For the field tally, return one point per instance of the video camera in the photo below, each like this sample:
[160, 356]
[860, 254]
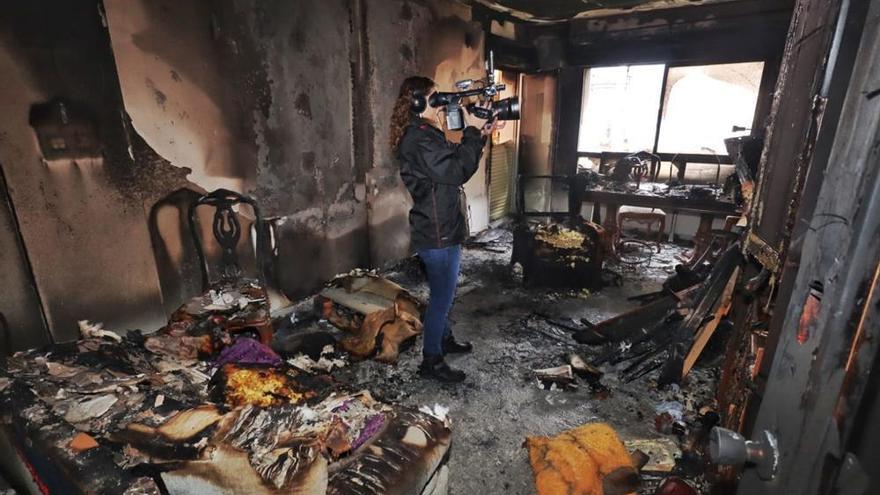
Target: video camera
[504, 109]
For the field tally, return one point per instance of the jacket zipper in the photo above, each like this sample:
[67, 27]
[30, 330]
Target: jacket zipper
[436, 218]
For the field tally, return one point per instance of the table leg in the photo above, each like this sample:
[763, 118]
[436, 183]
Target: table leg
[595, 213]
[702, 238]
[672, 227]
[612, 230]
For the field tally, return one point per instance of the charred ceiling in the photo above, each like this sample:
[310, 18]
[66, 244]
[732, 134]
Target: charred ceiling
[550, 11]
[644, 32]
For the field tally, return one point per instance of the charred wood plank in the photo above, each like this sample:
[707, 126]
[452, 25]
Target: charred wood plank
[715, 284]
[706, 331]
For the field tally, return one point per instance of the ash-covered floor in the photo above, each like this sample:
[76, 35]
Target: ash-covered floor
[501, 402]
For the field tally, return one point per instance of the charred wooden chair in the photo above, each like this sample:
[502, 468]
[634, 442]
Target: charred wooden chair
[644, 216]
[226, 228]
[235, 303]
[709, 245]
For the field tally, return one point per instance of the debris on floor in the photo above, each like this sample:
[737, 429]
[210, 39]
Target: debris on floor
[204, 380]
[113, 412]
[661, 453]
[670, 332]
[560, 376]
[371, 309]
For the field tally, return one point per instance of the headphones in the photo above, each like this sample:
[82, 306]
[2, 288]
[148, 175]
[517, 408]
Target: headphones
[419, 102]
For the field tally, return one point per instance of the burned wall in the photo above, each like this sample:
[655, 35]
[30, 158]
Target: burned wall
[263, 97]
[249, 80]
[175, 90]
[20, 304]
[291, 64]
[81, 221]
[438, 40]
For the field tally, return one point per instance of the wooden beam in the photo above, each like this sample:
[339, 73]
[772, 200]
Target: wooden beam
[706, 331]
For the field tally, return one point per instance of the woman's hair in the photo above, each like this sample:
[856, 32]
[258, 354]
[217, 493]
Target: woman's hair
[402, 112]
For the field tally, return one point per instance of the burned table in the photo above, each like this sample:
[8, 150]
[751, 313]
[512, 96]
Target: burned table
[707, 208]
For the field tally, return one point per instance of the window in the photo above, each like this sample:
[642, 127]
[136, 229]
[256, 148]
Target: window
[619, 111]
[704, 103]
[701, 106]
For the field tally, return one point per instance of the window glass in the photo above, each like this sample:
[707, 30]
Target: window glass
[619, 109]
[704, 103]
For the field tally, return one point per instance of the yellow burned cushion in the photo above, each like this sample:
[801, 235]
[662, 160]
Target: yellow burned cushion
[588, 460]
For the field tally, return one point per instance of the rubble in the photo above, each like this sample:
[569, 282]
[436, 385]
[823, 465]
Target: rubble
[247, 423]
[560, 376]
[515, 328]
[661, 453]
[383, 312]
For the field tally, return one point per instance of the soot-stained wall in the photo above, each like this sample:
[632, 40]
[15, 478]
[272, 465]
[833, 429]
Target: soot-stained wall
[438, 40]
[82, 221]
[287, 101]
[291, 62]
[174, 88]
[300, 117]
[314, 83]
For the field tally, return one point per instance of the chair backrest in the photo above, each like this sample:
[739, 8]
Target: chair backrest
[227, 232]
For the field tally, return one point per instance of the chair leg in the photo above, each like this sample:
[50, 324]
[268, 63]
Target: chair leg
[662, 229]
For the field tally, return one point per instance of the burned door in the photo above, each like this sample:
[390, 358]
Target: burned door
[536, 126]
[536, 134]
[22, 325]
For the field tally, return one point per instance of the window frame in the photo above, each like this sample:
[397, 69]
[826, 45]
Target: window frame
[666, 157]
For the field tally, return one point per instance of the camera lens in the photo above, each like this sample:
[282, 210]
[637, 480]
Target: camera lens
[506, 109]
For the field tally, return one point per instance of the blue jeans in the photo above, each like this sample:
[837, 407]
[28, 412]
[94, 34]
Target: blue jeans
[442, 266]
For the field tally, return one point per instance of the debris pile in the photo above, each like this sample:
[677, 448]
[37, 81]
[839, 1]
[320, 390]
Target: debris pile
[670, 332]
[371, 309]
[121, 415]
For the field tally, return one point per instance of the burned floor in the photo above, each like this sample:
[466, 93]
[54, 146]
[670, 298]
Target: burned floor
[503, 400]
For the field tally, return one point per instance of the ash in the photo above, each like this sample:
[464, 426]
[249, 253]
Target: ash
[501, 402]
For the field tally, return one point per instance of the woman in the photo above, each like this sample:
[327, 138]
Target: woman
[434, 170]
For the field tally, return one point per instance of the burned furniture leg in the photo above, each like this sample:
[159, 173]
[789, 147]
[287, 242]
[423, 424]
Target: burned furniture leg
[612, 230]
[702, 239]
[672, 227]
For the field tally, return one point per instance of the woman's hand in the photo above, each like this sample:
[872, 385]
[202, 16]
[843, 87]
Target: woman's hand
[473, 120]
[488, 129]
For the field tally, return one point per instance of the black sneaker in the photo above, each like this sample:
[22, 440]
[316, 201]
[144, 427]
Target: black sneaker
[452, 346]
[434, 367]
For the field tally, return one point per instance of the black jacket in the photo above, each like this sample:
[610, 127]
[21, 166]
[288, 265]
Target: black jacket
[433, 170]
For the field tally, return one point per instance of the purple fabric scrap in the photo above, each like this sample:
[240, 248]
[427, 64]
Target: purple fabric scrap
[371, 427]
[343, 407]
[247, 351]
